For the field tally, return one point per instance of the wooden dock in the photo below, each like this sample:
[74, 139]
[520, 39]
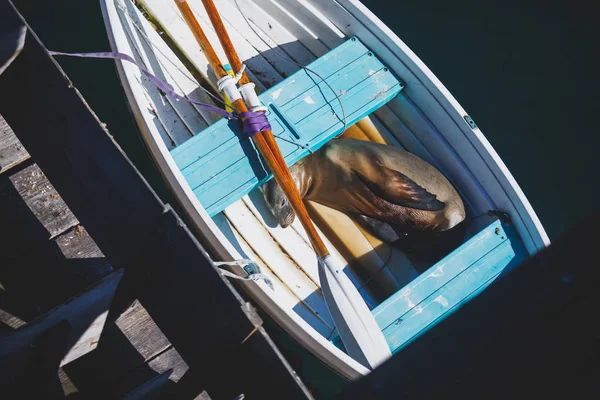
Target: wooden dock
[48, 257]
[104, 293]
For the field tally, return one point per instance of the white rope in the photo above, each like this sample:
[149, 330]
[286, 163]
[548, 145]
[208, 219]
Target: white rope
[242, 262]
[249, 277]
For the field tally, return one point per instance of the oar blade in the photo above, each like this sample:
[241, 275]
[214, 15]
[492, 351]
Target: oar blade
[356, 326]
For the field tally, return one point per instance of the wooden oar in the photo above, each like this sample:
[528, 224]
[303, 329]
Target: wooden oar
[356, 325]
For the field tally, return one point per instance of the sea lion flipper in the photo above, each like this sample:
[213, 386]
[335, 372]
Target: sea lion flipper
[381, 230]
[395, 187]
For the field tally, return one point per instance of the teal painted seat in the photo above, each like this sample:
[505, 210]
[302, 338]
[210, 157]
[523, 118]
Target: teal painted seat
[221, 164]
[444, 287]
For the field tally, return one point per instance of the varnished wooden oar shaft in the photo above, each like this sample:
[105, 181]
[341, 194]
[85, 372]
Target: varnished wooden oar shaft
[356, 325]
[232, 56]
[209, 51]
[236, 63]
[264, 141]
[284, 179]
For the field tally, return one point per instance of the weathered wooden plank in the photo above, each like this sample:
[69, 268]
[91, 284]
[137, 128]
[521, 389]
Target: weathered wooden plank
[9, 321]
[77, 243]
[202, 396]
[27, 254]
[132, 351]
[68, 387]
[43, 200]
[21, 229]
[12, 151]
[142, 332]
[170, 360]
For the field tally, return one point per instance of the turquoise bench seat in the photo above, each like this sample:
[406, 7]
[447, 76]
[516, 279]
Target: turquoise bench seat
[221, 164]
[444, 287]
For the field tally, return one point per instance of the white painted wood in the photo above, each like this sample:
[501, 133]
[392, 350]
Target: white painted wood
[272, 30]
[285, 297]
[296, 244]
[262, 70]
[168, 16]
[148, 103]
[288, 239]
[384, 131]
[296, 326]
[143, 87]
[168, 67]
[314, 21]
[186, 114]
[291, 24]
[279, 262]
[236, 22]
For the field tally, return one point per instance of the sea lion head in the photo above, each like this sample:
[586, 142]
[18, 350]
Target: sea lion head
[278, 203]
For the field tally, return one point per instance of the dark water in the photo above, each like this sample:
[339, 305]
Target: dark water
[526, 71]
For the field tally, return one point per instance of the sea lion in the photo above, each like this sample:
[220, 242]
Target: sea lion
[394, 193]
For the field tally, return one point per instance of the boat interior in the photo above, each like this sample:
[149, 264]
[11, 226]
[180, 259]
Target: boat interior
[275, 39]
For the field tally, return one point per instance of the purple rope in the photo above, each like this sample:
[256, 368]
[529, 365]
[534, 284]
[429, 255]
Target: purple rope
[253, 122]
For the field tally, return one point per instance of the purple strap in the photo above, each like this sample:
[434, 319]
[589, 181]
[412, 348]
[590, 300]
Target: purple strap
[168, 89]
[253, 122]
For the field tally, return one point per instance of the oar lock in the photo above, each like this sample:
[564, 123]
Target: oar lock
[228, 86]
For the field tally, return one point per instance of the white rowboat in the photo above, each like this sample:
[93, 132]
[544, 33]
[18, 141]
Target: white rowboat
[424, 119]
